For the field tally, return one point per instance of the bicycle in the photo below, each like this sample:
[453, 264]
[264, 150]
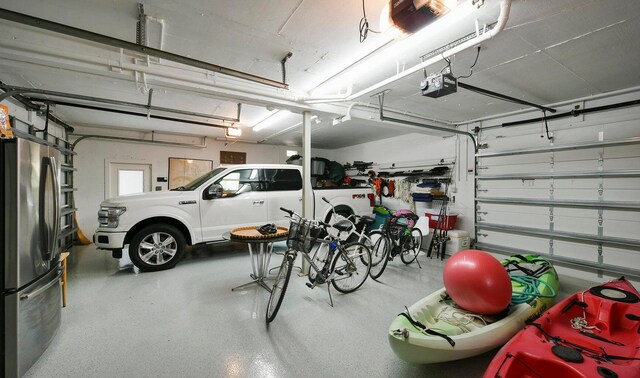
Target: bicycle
[346, 266]
[355, 226]
[395, 238]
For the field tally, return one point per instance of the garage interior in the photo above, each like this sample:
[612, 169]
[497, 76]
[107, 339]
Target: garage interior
[540, 135]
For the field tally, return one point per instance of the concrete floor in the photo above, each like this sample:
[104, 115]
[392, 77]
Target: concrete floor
[186, 322]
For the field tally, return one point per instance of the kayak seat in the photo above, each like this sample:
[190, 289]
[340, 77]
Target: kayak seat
[567, 354]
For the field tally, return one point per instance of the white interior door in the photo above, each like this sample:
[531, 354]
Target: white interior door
[128, 178]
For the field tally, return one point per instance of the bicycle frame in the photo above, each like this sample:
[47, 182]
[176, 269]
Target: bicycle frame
[398, 240]
[335, 244]
[361, 234]
[302, 238]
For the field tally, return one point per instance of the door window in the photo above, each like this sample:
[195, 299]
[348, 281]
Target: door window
[130, 181]
[240, 181]
[127, 178]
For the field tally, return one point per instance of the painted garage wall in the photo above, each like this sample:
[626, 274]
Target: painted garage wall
[421, 151]
[94, 155]
[588, 128]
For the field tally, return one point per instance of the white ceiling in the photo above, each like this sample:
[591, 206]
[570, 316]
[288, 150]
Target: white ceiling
[550, 51]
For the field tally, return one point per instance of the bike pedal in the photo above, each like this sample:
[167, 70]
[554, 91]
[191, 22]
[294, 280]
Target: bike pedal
[309, 285]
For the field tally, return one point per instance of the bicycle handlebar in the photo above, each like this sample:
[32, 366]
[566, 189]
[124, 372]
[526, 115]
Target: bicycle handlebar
[293, 214]
[290, 212]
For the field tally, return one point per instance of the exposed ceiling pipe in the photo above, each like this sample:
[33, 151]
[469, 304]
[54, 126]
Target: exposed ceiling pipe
[114, 42]
[218, 86]
[346, 116]
[137, 140]
[430, 127]
[125, 112]
[12, 91]
[443, 123]
[199, 81]
[505, 7]
[225, 87]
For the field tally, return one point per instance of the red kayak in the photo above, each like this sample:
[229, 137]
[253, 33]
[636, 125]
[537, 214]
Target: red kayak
[594, 333]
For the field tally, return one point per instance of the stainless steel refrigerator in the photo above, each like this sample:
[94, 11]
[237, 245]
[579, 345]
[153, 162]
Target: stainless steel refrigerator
[29, 252]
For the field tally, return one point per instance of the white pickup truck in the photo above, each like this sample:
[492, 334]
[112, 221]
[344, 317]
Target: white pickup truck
[158, 226]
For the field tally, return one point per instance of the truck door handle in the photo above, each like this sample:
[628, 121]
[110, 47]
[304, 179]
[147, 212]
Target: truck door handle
[260, 202]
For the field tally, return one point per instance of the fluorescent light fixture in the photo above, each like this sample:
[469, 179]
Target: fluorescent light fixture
[228, 140]
[271, 119]
[232, 132]
[388, 57]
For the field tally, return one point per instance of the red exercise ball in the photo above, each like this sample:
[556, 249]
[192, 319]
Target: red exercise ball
[477, 282]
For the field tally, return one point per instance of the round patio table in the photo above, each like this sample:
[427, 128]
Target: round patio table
[260, 250]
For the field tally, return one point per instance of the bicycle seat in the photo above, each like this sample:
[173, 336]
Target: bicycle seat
[343, 225]
[366, 220]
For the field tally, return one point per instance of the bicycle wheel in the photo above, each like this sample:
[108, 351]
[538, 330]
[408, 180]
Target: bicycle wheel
[350, 267]
[280, 286]
[379, 253]
[411, 247]
[319, 259]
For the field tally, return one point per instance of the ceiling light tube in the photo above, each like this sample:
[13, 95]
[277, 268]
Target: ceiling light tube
[290, 128]
[272, 119]
[505, 7]
[221, 139]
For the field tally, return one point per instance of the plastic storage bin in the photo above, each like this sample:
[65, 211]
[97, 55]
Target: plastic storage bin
[449, 222]
[459, 240]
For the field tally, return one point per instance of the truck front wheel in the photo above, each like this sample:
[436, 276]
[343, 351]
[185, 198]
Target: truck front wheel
[157, 247]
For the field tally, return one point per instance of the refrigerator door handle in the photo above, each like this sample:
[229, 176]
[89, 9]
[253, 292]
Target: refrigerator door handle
[42, 289]
[49, 237]
[56, 204]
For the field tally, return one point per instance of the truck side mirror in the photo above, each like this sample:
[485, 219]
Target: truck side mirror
[214, 191]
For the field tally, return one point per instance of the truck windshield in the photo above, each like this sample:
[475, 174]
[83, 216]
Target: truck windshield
[197, 182]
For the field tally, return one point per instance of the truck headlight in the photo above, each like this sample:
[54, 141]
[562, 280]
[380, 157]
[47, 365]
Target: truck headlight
[109, 216]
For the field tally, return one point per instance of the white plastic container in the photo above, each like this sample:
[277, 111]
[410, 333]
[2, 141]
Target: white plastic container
[423, 225]
[459, 240]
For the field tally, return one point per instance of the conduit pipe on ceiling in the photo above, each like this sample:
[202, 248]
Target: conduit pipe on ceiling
[406, 114]
[431, 127]
[125, 139]
[114, 42]
[126, 112]
[505, 8]
[11, 91]
[234, 88]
